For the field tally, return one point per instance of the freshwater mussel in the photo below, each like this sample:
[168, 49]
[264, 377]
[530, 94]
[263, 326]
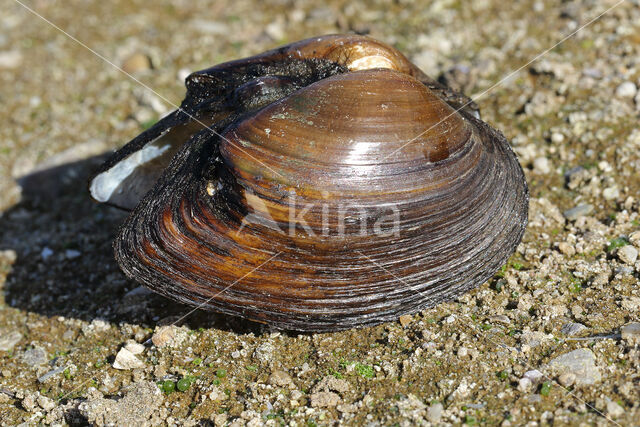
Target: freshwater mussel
[323, 185]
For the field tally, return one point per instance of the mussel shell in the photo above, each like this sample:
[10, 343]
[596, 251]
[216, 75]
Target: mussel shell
[344, 198]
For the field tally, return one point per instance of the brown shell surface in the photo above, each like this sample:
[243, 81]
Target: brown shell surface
[353, 200]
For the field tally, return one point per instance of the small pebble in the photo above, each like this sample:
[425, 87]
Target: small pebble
[631, 332]
[524, 385]
[324, 399]
[634, 238]
[46, 403]
[574, 177]
[534, 375]
[626, 90]
[29, 403]
[45, 253]
[500, 318]
[134, 347]
[578, 211]
[126, 360]
[35, 357]
[10, 59]
[405, 320]
[8, 339]
[581, 363]
[434, 413]
[542, 165]
[163, 336]
[572, 329]
[183, 73]
[628, 254]
[611, 193]
[44, 378]
[463, 352]
[72, 254]
[136, 63]
[566, 249]
[604, 166]
[567, 379]
[217, 394]
[614, 410]
[557, 137]
[594, 73]
[280, 378]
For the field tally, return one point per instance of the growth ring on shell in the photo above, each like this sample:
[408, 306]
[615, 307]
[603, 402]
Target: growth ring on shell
[323, 185]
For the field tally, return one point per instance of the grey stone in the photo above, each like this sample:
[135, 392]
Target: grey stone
[613, 409]
[8, 339]
[34, 357]
[575, 177]
[138, 406]
[631, 332]
[535, 376]
[628, 254]
[434, 413]
[324, 399]
[44, 378]
[578, 211]
[581, 363]
[280, 378]
[572, 329]
[332, 383]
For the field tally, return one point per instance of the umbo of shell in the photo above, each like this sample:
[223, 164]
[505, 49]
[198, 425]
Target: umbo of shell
[323, 185]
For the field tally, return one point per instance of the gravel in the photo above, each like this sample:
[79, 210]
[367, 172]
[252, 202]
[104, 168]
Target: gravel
[578, 211]
[573, 329]
[34, 357]
[626, 90]
[628, 254]
[8, 339]
[492, 356]
[631, 332]
[125, 359]
[139, 405]
[581, 363]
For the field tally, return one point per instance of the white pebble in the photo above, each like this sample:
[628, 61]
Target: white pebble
[557, 137]
[126, 360]
[604, 166]
[631, 332]
[541, 165]
[614, 410]
[134, 347]
[183, 73]
[524, 384]
[434, 413]
[634, 238]
[611, 193]
[534, 375]
[626, 90]
[10, 59]
[628, 254]
[567, 379]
